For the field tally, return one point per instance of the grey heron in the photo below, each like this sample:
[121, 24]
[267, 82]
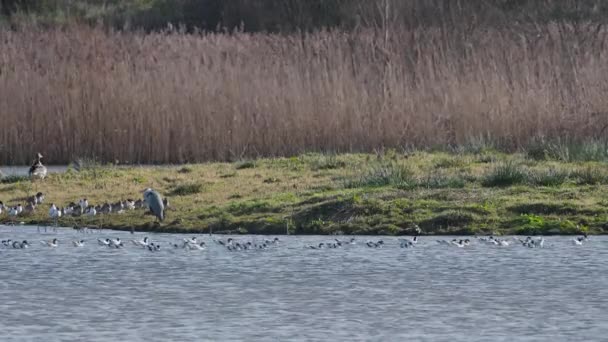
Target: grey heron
[155, 203]
[37, 170]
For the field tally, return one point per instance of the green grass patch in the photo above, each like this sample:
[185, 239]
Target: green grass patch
[384, 174]
[549, 177]
[186, 189]
[590, 175]
[10, 179]
[505, 174]
[245, 164]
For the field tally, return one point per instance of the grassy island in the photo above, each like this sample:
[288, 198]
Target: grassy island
[390, 192]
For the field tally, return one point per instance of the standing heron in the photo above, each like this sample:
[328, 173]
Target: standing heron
[37, 170]
[155, 203]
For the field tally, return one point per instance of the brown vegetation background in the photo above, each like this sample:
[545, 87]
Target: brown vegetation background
[80, 91]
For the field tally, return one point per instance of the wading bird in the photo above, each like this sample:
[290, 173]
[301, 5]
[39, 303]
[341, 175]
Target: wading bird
[54, 213]
[155, 203]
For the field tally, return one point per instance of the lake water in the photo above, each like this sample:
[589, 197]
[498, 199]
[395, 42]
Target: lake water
[290, 293]
[23, 170]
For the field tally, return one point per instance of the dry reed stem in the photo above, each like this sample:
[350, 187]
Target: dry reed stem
[171, 97]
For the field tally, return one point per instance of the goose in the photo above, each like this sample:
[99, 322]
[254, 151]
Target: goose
[7, 243]
[37, 170]
[51, 243]
[77, 243]
[19, 208]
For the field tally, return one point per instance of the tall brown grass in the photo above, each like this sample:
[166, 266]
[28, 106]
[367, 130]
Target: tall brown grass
[173, 97]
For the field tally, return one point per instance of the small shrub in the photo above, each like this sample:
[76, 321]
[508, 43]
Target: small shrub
[384, 174]
[530, 224]
[541, 149]
[544, 208]
[245, 164]
[323, 161]
[505, 174]
[590, 176]
[550, 177]
[186, 189]
[448, 219]
[185, 169]
[10, 179]
[228, 175]
[439, 181]
[84, 164]
[446, 163]
[486, 158]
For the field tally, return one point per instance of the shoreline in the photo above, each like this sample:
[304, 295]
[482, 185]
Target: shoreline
[484, 193]
[181, 231]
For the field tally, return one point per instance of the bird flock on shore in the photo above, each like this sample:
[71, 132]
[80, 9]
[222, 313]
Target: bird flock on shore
[82, 207]
[151, 201]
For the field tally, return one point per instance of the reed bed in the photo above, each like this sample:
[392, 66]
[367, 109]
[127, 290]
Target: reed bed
[171, 97]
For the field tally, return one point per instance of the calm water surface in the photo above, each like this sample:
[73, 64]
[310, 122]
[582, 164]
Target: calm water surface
[290, 293]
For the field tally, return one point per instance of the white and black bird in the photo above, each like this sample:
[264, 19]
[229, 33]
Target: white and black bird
[105, 242]
[579, 240]
[141, 243]
[407, 243]
[54, 213]
[52, 243]
[20, 245]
